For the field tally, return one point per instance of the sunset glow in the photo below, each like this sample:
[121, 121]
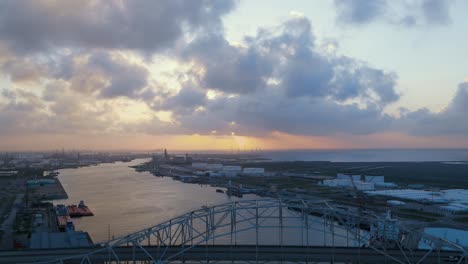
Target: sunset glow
[225, 77]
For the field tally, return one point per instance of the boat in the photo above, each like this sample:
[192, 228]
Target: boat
[64, 221]
[80, 210]
[219, 190]
[84, 210]
[73, 211]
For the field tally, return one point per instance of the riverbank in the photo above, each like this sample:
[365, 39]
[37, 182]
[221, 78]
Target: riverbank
[303, 180]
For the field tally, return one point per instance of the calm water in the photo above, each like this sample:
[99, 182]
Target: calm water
[369, 155]
[128, 200]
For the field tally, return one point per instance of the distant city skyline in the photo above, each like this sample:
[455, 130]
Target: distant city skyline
[233, 75]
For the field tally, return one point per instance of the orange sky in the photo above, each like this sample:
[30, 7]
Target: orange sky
[228, 143]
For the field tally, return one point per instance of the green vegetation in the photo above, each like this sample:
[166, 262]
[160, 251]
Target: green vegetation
[6, 203]
[461, 219]
[421, 213]
[434, 174]
[417, 217]
[280, 182]
[22, 224]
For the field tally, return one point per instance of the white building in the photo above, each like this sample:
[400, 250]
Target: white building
[232, 168]
[349, 181]
[374, 179]
[415, 195]
[364, 186]
[455, 208]
[342, 176]
[457, 236]
[253, 171]
[8, 173]
[214, 174]
[214, 166]
[231, 171]
[199, 166]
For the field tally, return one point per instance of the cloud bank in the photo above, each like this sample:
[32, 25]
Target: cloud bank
[99, 68]
[397, 12]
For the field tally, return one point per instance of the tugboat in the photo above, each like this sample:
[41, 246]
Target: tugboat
[80, 210]
[73, 211]
[84, 210]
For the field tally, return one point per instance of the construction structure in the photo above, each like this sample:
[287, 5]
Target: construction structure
[269, 230]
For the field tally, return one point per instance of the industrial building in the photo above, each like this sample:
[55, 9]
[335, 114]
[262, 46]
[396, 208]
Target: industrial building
[217, 169]
[60, 239]
[456, 236]
[8, 173]
[349, 181]
[199, 166]
[253, 171]
[231, 171]
[355, 181]
[342, 183]
[214, 166]
[41, 182]
[374, 179]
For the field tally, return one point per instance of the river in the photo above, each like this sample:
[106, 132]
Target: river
[124, 200]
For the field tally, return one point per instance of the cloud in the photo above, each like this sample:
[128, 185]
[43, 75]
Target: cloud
[287, 54]
[359, 11]
[23, 70]
[36, 26]
[185, 101]
[436, 11]
[400, 12]
[297, 89]
[228, 68]
[450, 121]
[277, 80]
[58, 109]
[122, 77]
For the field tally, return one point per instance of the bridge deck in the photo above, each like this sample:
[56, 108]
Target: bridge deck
[227, 253]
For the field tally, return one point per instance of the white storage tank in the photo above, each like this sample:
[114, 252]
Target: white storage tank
[395, 203]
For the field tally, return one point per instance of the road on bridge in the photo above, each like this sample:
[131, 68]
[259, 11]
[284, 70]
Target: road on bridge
[227, 253]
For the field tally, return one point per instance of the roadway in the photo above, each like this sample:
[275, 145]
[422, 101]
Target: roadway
[228, 253]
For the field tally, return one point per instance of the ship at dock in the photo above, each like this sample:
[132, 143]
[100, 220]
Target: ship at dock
[64, 221]
[80, 210]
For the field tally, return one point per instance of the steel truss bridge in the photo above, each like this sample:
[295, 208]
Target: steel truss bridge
[260, 231]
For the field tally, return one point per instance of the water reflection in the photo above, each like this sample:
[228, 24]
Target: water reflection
[128, 201]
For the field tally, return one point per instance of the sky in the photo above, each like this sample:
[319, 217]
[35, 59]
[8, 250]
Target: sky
[233, 75]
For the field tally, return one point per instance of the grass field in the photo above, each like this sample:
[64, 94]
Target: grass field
[433, 174]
